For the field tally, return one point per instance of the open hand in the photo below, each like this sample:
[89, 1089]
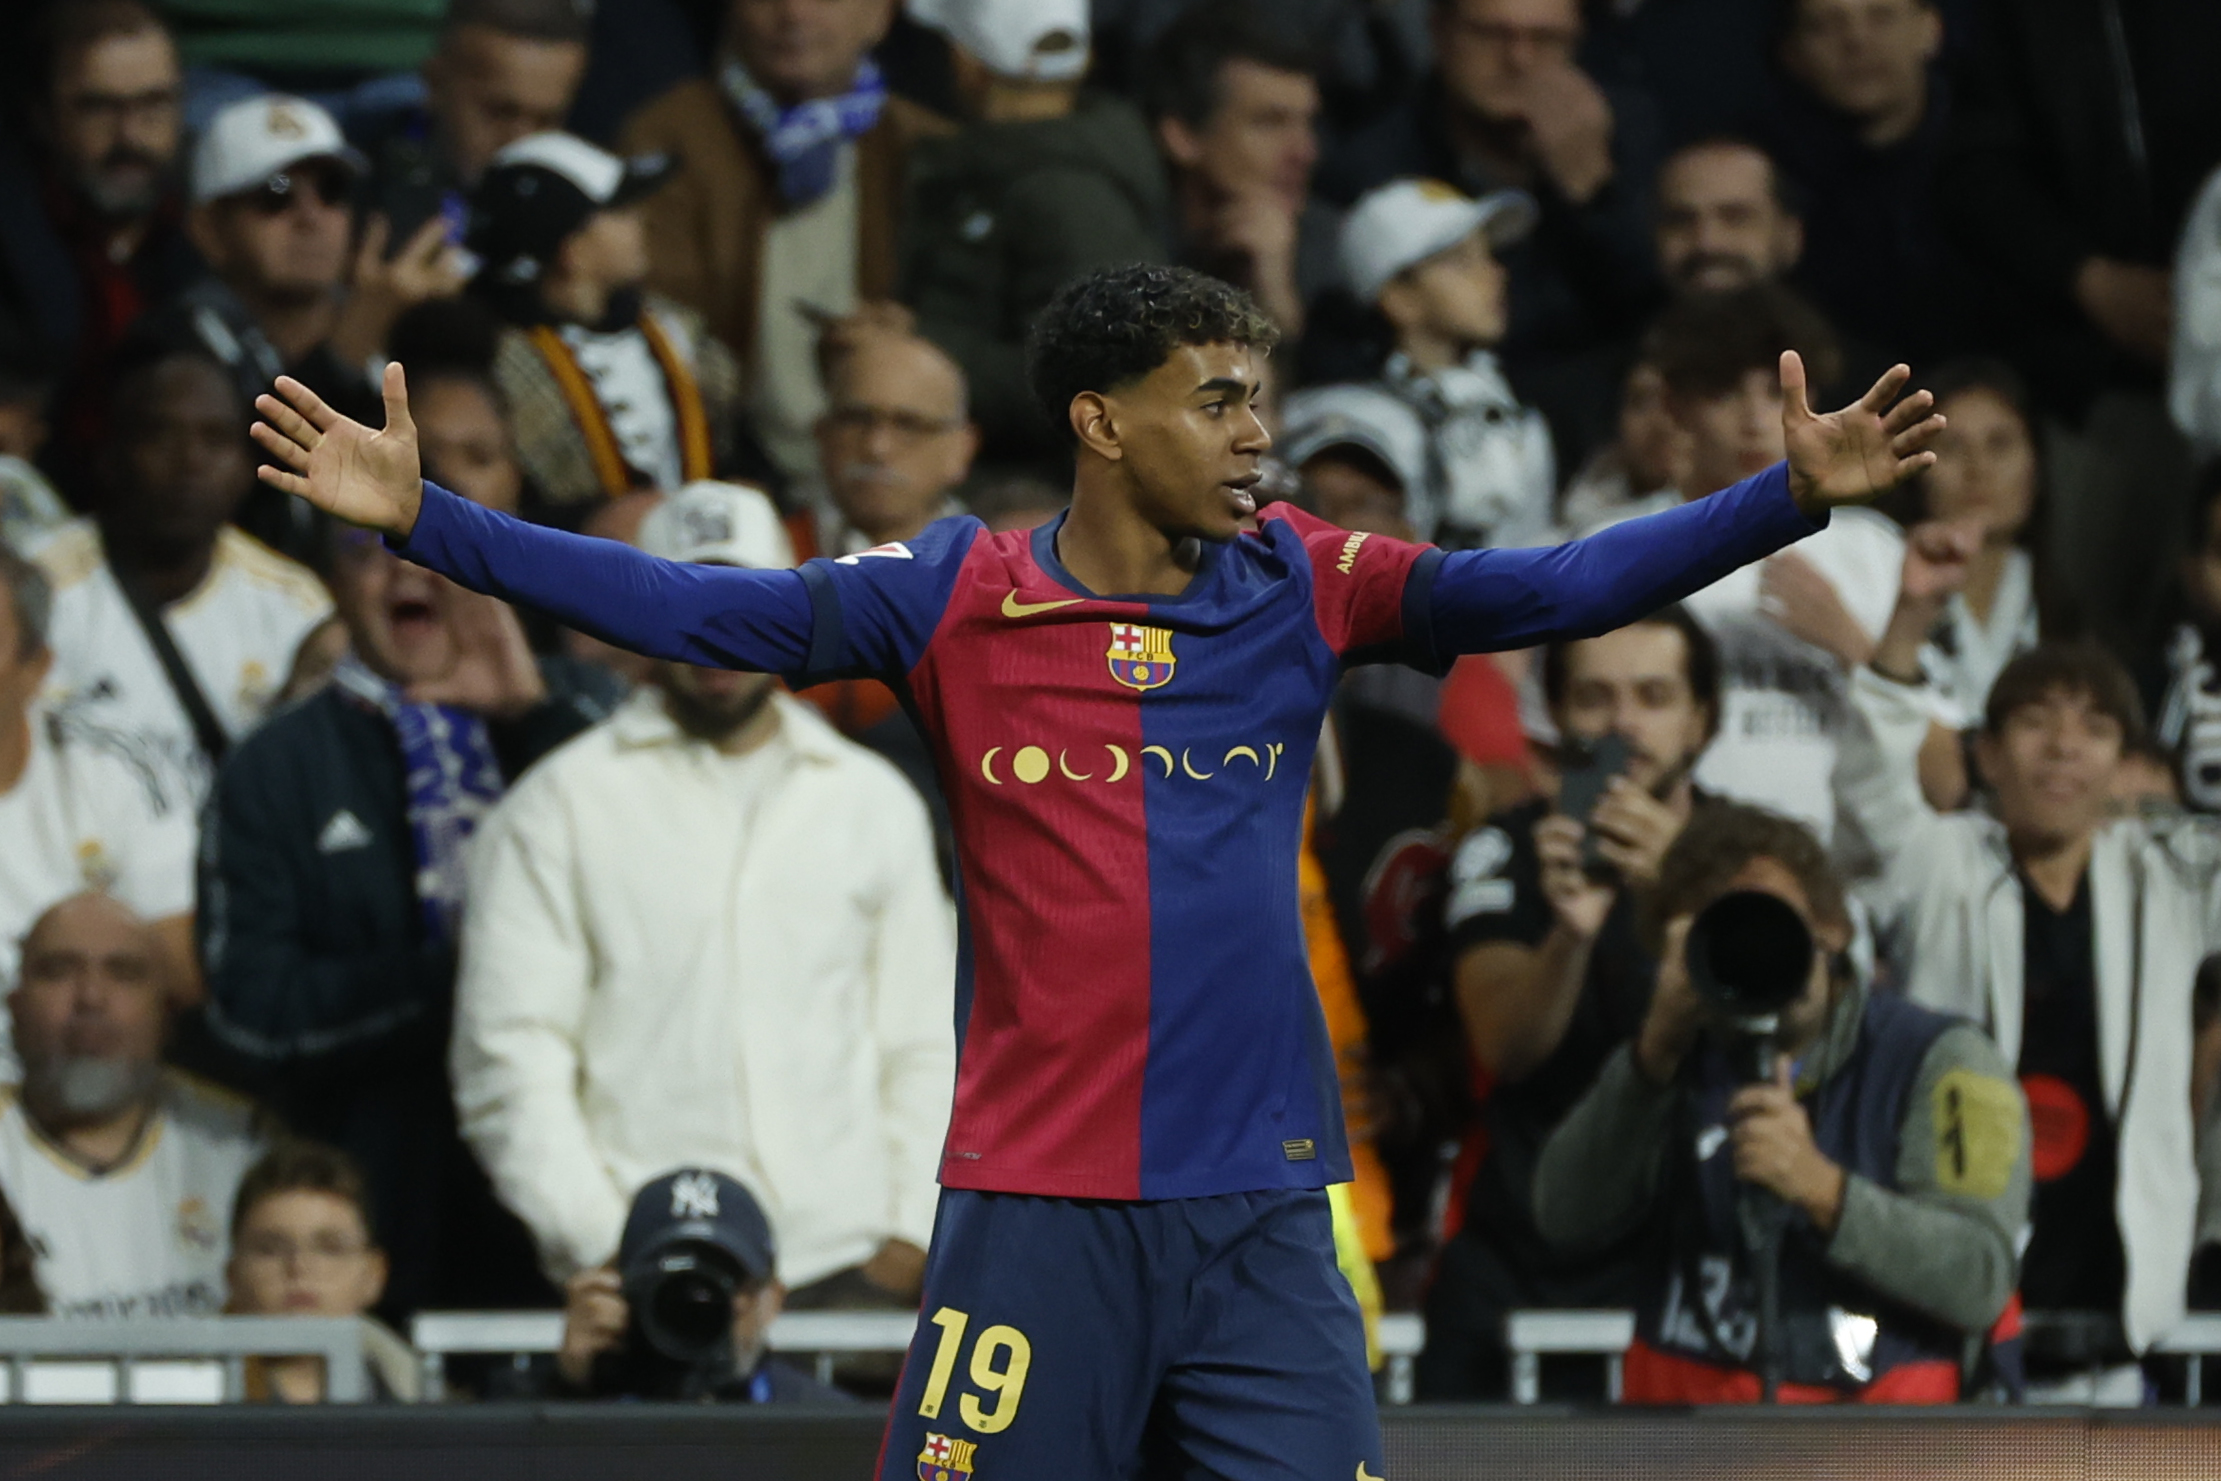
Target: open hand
[1860, 453]
[336, 463]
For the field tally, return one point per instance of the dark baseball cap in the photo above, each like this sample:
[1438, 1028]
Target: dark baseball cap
[699, 1205]
[542, 188]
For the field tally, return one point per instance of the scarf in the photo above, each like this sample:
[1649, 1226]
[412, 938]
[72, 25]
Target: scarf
[804, 141]
[451, 779]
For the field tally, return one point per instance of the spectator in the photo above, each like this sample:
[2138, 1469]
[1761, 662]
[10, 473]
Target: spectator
[1234, 99]
[1862, 132]
[2077, 144]
[1724, 221]
[895, 441]
[2190, 702]
[1891, 1135]
[172, 630]
[273, 182]
[332, 882]
[611, 389]
[1044, 182]
[94, 219]
[120, 1169]
[686, 1221]
[503, 69]
[713, 929]
[1647, 456]
[2060, 928]
[1362, 453]
[1787, 629]
[1987, 479]
[789, 195]
[1552, 974]
[301, 1245]
[74, 815]
[1425, 256]
[1508, 108]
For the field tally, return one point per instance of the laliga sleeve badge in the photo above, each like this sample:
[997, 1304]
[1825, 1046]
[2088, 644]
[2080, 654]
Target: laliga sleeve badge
[1141, 657]
[944, 1459]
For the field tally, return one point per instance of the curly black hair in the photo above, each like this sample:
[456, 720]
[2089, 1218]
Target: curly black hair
[1117, 324]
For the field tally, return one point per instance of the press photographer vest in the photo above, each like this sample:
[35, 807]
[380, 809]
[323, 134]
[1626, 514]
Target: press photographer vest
[1835, 1330]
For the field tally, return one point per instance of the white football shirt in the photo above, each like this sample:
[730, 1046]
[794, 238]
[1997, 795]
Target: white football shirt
[83, 817]
[238, 631]
[150, 1236]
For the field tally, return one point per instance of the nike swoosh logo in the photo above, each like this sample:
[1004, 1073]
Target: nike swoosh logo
[1365, 1475]
[1012, 607]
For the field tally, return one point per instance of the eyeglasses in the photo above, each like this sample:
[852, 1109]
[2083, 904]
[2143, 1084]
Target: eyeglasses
[282, 191]
[906, 426]
[276, 1249]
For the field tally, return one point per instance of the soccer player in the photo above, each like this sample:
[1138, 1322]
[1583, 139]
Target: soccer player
[1133, 1254]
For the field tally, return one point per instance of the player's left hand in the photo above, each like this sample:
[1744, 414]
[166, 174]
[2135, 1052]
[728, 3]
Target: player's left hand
[1860, 453]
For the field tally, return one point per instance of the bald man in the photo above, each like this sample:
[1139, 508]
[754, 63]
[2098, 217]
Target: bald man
[895, 441]
[122, 1171]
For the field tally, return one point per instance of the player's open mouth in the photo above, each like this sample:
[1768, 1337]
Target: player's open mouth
[1238, 493]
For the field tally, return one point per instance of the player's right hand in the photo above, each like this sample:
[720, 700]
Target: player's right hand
[339, 465]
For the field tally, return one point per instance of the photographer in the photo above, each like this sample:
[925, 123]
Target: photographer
[1551, 973]
[1892, 1142]
[686, 1310]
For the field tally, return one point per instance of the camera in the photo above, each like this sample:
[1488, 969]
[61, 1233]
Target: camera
[681, 1297]
[1749, 957]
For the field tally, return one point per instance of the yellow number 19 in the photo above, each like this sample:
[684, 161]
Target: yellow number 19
[1000, 1359]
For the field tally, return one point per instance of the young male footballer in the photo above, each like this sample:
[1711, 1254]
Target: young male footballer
[1133, 1262]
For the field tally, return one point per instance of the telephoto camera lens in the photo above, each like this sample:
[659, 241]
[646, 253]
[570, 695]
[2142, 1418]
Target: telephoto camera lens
[686, 1305]
[1749, 954]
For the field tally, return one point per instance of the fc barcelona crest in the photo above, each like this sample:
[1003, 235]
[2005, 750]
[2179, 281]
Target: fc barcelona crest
[944, 1459]
[1141, 657]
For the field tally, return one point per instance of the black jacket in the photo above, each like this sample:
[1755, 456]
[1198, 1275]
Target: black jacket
[2044, 170]
[325, 998]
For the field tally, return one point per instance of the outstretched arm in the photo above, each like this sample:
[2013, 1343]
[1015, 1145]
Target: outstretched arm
[1489, 600]
[712, 615]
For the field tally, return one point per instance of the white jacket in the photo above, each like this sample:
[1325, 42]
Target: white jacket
[1949, 906]
[662, 965]
[2194, 374]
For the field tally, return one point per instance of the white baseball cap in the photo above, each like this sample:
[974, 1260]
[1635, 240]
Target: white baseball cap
[255, 138]
[1407, 221]
[1022, 40]
[1323, 417]
[708, 523]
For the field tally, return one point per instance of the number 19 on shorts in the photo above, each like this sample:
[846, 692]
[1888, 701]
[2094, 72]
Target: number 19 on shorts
[1000, 1358]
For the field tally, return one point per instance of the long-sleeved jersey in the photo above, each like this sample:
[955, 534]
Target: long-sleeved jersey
[1126, 776]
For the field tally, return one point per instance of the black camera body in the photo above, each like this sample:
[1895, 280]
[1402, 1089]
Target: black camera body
[1749, 957]
[679, 1343]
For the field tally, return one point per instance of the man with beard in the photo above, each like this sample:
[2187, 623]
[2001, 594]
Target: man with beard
[90, 221]
[711, 932]
[332, 881]
[123, 1172]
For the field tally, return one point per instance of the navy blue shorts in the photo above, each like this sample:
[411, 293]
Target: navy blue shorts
[1073, 1340]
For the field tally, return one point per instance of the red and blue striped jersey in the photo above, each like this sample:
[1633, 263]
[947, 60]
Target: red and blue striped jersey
[1126, 777]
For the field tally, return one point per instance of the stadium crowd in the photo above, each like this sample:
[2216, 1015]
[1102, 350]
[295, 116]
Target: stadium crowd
[373, 947]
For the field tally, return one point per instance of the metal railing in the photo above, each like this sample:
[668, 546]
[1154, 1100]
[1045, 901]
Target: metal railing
[170, 1360]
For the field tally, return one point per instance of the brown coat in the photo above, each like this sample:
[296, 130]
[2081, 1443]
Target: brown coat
[705, 229]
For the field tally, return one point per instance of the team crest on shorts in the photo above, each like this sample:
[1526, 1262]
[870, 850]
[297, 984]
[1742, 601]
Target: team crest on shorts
[1141, 657]
[944, 1459]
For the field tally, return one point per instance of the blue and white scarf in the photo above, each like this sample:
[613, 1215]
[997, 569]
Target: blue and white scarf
[452, 781]
[804, 141]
